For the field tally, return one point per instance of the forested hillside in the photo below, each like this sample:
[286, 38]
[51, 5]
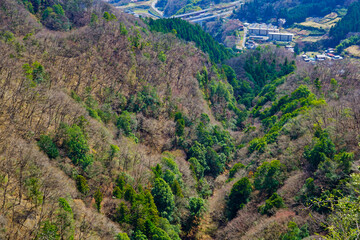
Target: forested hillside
[192, 33]
[350, 23]
[294, 11]
[296, 164]
[86, 115]
[115, 127]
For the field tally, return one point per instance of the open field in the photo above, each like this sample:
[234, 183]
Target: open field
[137, 4]
[314, 29]
[322, 23]
[353, 50]
[312, 38]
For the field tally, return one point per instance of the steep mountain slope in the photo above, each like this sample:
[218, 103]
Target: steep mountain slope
[68, 91]
[350, 24]
[111, 130]
[193, 33]
[292, 146]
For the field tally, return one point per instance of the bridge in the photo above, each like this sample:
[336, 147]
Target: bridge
[209, 13]
[216, 11]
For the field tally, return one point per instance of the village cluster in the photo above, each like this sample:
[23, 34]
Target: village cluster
[327, 55]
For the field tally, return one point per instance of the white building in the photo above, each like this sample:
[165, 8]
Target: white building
[320, 57]
[269, 31]
[284, 37]
[261, 29]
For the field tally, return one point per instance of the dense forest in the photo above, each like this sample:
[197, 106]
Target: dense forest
[350, 23]
[192, 33]
[292, 11]
[115, 127]
[56, 15]
[308, 8]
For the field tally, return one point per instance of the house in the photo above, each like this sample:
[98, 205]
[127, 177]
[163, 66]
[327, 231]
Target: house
[320, 57]
[337, 57]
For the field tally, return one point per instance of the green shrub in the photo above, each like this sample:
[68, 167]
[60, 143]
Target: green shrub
[163, 197]
[198, 151]
[344, 160]
[196, 206]
[123, 30]
[328, 172]
[76, 146]
[129, 193]
[117, 193]
[122, 213]
[146, 101]
[82, 184]
[300, 93]
[271, 204]
[98, 196]
[93, 113]
[295, 233]
[269, 122]
[257, 144]
[235, 169]
[176, 189]
[120, 182]
[138, 235]
[48, 230]
[48, 146]
[322, 147]
[106, 16]
[309, 192]
[180, 125]
[127, 122]
[122, 236]
[74, 96]
[33, 187]
[196, 168]
[269, 176]
[35, 73]
[162, 56]
[238, 197]
[214, 163]
[65, 219]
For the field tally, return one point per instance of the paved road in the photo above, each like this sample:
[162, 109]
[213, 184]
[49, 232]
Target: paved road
[192, 13]
[216, 11]
[206, 10]
[210, 17]
[153, 3]
[244, 40]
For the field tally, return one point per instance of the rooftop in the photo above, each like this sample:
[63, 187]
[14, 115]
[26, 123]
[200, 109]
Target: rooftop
[281, 33]
[262, 26]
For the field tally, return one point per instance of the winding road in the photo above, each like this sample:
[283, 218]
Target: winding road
[153, 3]
[221, 10]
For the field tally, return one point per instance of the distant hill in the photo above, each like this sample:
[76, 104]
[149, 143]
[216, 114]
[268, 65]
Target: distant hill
[350, 23]
[294, 11]
[193, 33]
